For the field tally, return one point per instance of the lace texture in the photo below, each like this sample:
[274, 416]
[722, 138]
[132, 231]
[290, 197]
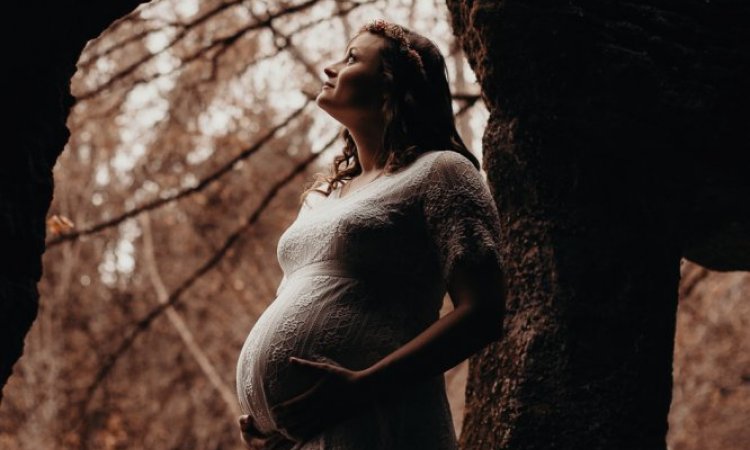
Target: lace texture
[363, 275]
[461, 216]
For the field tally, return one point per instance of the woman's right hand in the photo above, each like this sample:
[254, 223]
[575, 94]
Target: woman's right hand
[249, 432]
[254, 439]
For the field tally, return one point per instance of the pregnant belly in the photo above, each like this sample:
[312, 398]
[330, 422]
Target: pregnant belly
[326, 318]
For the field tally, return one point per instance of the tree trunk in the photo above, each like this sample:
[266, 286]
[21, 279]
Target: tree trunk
[45, 39]
[612, 134]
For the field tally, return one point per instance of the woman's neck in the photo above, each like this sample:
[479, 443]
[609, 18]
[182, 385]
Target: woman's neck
[369, 146]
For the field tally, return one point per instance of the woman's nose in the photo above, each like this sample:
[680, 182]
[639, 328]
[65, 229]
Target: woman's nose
[330, 72]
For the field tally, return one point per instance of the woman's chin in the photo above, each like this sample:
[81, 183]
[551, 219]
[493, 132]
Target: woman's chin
[325, 107]
[320, 100]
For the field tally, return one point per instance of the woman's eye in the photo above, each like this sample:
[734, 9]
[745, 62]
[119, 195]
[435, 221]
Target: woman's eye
[349, 57]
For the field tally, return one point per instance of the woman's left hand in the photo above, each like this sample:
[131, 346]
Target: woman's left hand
[339, 393]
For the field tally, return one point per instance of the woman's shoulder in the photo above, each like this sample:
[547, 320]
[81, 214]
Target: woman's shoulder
[451, 158]
[438, 159]
[447, 164]
[442, 173]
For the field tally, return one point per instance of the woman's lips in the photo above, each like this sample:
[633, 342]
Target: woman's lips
[327, 85]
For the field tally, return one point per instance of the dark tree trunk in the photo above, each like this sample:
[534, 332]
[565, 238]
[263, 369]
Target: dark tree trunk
[44, 42]
[614, 147]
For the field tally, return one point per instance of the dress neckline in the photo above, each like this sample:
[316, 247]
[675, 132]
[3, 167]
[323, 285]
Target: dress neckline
[341, 187]
[384, 176]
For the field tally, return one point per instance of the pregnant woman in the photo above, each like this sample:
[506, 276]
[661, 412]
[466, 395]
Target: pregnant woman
[350, 354]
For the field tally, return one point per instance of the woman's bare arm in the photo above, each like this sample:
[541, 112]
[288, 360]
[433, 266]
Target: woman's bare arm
[478, 294]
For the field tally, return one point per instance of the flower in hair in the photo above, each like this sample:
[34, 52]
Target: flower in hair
[396, 34]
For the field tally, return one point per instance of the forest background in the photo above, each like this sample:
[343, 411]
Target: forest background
[195, 131]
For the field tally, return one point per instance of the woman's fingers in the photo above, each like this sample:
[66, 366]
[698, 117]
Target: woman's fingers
[248, 430]
[246, 424]
[245, 439]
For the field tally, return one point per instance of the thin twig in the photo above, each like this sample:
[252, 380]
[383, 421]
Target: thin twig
[182, 33]
[162, 295]
[221, 171]
[227, 41]
[469, 103]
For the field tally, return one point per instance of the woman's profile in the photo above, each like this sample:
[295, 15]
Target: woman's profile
[351, 352]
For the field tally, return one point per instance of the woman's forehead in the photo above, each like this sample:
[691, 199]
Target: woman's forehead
[366, 43]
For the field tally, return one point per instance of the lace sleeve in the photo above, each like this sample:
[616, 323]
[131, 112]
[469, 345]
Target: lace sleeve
[461, 217]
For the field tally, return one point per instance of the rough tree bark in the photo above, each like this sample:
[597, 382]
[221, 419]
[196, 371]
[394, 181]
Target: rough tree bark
[614, 148]
[44, 41]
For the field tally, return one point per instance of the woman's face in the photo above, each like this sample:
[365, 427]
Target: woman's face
[356, 95]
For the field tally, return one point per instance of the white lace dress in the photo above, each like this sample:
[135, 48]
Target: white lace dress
[363, 275]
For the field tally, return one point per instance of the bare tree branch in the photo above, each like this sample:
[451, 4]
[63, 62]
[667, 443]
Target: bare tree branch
[279, 48]
[221, 171]
[345, 26]
[85, 64]
[292, 48]
[144, 323]
[182, 33]
[465, 96]
[162, 295]
[470, 101]
[216, 55]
